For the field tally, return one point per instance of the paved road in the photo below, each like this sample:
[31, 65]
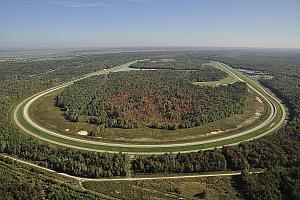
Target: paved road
[81, 179]
[270, 99]
[264, 95]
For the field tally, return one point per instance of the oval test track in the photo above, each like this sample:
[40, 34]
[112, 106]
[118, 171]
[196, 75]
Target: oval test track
[270, 124]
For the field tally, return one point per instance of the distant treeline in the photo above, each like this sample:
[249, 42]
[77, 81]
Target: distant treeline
[182, 64]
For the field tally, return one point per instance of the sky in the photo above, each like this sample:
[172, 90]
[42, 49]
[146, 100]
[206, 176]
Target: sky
[140, 23]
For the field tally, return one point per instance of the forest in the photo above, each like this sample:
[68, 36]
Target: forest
[277, 153]
[33, 75]
[176, 64]
[164, 99]
[21, 183]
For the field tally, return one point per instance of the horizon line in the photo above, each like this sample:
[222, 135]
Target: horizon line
[140, 47]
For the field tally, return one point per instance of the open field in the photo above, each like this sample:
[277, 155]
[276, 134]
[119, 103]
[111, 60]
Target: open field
[189, 188]
[224, 81]
[273, 122]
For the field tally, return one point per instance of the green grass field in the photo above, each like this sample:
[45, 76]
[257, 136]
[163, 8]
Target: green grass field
[225, 81]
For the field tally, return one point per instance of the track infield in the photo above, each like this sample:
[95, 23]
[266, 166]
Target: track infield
[272, 123]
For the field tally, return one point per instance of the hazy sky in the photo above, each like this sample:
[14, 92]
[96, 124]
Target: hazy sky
[105, 23]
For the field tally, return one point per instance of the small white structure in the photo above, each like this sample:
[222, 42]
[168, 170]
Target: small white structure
[82, 133]
[258, 99]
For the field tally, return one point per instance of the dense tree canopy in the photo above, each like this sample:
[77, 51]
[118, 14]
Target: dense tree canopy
[164, 99]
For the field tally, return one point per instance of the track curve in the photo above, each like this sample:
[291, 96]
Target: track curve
[273, 122]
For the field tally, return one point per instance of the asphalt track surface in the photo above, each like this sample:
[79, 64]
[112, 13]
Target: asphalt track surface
[273, 104]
